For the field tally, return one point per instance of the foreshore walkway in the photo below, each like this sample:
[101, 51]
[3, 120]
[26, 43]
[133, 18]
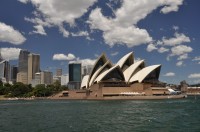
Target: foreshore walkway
[104, 98]
[123, 97]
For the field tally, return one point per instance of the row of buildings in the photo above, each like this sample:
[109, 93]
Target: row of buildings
[28, 72]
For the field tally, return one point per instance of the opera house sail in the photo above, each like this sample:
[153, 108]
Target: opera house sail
[125, 74]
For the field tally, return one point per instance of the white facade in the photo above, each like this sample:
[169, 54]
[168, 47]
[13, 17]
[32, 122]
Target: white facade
[64, 79]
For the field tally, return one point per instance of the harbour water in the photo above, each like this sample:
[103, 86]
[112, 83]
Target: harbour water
[91, 116]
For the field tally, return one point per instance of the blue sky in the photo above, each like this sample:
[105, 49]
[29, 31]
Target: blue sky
[162, 32]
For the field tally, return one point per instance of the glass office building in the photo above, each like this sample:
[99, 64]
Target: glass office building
[74, 76]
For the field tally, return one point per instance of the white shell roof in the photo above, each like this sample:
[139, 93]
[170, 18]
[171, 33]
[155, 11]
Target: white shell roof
[140, 75]
[84, 81]
[2, 61]
[103, 56]
[94, 76]
[128, 73]
[123, 59]
[102, 75]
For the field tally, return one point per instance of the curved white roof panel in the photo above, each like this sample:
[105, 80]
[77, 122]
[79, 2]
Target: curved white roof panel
[128, 73]
[99, 63]
[84, 81]
[102, 75]
[94, 76]
[123, 59]
[142, 74]
[2, 61]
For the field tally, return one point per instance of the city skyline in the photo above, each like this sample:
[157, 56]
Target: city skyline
[160, 32]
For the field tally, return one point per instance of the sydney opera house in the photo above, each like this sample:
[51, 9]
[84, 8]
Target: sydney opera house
[126, 77]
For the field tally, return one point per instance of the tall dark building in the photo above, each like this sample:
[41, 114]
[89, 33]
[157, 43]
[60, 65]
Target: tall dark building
[33, 66]
[74, 76]
[5, 71]
[14, 71]
[75, 72]
[1, 58]
[23, 61]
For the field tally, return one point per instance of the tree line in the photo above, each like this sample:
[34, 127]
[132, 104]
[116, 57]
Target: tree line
[19, 89]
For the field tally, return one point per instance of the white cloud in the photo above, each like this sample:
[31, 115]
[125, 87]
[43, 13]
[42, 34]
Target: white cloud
[197, 58]
[179, 63]
[63, 31]
[180, 50]
[162, 50]
[198, 62]
[178, 39]
[194, 75]
[81, 33]
[122, 29]
[23, 1]
[151, 47]
[169, 74]
[159, 42]
[10, 35]
[175, 28]
[84, 62]
[10, 53]
[172, 6]
[130, 36]
[137, 59]
[58, 12]
[73, 59]
[37, 21]
[96, 55]
[68, 57]
[39, 30]
[119, 30]
[114, 53]
[182, 57]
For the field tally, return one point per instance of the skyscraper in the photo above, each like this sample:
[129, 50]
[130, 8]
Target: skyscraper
[74, 75]
[86, 70]
[1, 58]
[14, 71]
[46, 77]
[59, 72]
[22, 75]
[5, 71]
[23, 61]
[33, 66]
[75, 72]
[64, 79]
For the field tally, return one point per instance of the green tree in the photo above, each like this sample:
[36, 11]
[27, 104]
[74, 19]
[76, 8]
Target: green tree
[7, 88]
[19, 89]
[41, 91]
[57, 86]
[2, 90]
[64, 87]
[1, 83]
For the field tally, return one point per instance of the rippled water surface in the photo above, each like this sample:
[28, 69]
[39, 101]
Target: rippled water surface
[113, 116]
